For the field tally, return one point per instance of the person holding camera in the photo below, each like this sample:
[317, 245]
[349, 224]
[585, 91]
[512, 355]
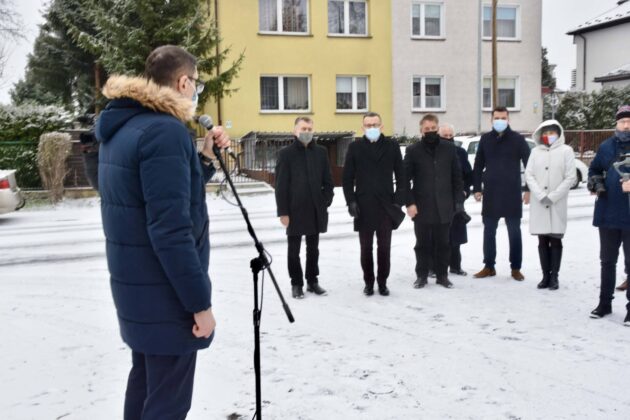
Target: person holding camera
[550, 173]
[612, 211]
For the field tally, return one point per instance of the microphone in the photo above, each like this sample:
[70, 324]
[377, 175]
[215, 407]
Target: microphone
[206, 122]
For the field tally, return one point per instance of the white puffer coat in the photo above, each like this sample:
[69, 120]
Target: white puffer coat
[550, 173]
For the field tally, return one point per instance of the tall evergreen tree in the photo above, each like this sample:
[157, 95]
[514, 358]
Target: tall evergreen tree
[548, 79]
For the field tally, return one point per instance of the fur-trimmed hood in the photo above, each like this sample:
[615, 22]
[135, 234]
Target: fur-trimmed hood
[131, 96]
[150, 95]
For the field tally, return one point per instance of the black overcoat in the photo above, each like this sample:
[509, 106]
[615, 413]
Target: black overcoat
[498, 169]
[304, 188]
[368, 179]
[459, 233]
[434, 180]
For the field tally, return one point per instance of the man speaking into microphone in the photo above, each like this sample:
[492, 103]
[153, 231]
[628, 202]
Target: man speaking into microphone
[152, 184]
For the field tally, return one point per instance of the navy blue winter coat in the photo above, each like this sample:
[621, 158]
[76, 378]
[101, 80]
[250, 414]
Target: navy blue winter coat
[498, 168]
[155, 219]
[611, 210]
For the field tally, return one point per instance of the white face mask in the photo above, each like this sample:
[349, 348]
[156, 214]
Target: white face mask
[195, 99]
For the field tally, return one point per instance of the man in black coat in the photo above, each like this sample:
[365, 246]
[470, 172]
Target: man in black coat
[459, 233]
[432, 166]
[369, 191]
[304, 191]
[498, 168]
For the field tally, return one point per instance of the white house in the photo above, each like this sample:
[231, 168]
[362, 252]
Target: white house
[442, 54]
[603, 52]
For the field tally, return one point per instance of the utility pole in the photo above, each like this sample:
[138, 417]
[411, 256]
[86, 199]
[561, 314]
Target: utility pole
[495, 86]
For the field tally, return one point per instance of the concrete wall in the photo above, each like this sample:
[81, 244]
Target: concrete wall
[456, 59]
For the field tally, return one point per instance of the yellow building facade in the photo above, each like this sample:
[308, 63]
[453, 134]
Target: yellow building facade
[326, 59]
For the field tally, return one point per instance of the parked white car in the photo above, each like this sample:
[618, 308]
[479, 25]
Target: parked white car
[10, 195]
[470, 144]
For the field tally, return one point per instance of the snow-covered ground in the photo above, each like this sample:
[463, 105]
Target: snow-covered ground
[487, 349]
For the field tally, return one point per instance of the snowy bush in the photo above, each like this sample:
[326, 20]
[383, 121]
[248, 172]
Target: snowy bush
[52, 152]
[591, 111]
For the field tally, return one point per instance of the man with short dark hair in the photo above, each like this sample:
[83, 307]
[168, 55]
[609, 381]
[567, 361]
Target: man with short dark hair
[371, 164]
[153, 205]
[435, 193]
[304, 191]
[497, 172]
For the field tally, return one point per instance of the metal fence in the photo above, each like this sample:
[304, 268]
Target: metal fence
[586, 142]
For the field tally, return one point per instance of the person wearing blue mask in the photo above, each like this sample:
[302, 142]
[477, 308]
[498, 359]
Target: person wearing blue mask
[612, 210]
[550, 173]
[497, 178]
[373, 200]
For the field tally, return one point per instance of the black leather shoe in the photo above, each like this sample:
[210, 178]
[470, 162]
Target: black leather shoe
[368, 290]
[626, 322]
[315, 288]
[383, 290]
[420, 283]
[601, 311]
[444, 281]
[458, 271]
[297, 291]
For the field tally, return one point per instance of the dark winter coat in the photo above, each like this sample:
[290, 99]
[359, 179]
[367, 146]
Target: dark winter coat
[304, 188]
[368, 181]
[498, 169]
[434, 181]
[459, 233]
[155, 219]
[611, 210]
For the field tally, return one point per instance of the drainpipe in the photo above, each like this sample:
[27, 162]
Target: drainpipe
[479, 70]
[218, 51]
[583, 63]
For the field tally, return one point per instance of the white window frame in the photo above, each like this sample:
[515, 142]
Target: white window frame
[354, 94]
[422, 5]
[423, 93]
[281, 109]
[517, 93]
[517, 28]
[346, 20]
[279, 22]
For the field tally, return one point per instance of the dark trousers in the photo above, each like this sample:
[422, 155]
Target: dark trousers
[490, 241]
[384, 242]
[456, 258]
[609, 242]
[159, 387]
[312, 258]
[432, 243]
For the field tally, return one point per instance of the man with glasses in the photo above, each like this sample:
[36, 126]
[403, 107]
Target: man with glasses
[153, 205]
[371, 164]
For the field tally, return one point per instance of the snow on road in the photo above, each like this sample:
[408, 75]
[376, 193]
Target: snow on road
[487, 349]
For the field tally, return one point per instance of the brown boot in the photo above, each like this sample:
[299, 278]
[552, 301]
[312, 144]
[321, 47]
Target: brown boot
[623, 286]
[486, 272]
[517, 275]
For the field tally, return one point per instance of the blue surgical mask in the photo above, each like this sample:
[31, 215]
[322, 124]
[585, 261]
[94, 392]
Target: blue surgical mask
[499, 125]
[552, 139]
[623, 135]
[373, 134]
[195, 99]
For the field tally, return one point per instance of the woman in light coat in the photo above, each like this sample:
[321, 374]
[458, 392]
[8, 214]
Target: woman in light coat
[550, 173]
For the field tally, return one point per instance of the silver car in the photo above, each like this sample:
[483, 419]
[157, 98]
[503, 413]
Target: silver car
[10, 195]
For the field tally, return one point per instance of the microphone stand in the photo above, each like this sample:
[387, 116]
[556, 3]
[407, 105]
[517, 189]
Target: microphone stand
[257, 265]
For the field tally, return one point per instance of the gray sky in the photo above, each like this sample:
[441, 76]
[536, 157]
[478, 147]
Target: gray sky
[558, 17]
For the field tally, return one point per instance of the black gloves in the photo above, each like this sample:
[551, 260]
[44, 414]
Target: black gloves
[596, 184]
[353, 209]
[460, 213]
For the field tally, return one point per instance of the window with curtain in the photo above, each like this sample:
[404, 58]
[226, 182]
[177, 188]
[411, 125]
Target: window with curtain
[428, 93]
[289, 16]
[507, 21]
[347, 17]
[426, 19]
[507, 92]
[352, 93]
[284, 93]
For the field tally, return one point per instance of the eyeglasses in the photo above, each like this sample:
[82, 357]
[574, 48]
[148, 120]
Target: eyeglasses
[199, 84]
